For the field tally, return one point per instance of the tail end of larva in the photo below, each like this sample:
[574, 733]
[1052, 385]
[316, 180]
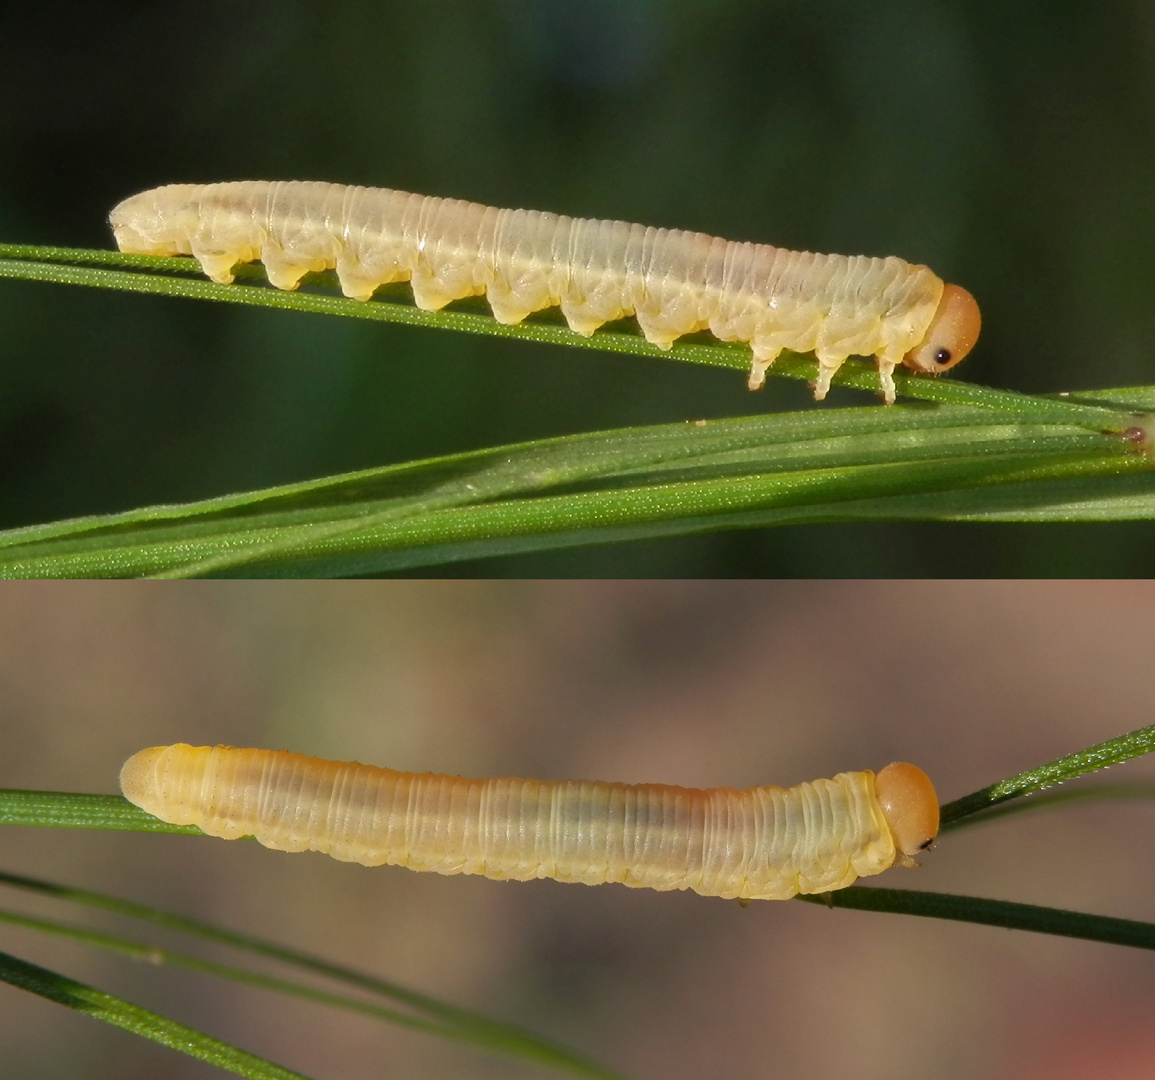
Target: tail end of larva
[156, 222]
[952, 333]
[140, 781]
[909, 804]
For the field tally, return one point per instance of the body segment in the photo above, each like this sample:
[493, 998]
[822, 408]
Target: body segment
[759, 843]
[674, 282]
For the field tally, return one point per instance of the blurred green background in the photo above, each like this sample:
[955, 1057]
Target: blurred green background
[1008, 145]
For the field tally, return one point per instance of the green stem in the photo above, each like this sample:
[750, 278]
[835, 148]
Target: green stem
[467, 1026]
[1127, 790]
[74, 810]
[972, 909]
[123, 1014]
[1100, 756]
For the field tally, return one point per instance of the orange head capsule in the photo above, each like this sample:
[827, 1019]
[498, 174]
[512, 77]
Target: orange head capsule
[910, 806]
[951, 335]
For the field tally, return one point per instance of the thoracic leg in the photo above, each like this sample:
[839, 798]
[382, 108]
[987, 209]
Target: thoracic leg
[887, 362]
[827, 368]
[763, 358]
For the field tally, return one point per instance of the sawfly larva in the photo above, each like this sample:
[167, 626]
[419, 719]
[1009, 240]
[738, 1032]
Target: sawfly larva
[673, 282]
[764, 843]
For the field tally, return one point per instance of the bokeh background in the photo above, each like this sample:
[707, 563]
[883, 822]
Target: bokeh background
[1007, 143]
[698, 684]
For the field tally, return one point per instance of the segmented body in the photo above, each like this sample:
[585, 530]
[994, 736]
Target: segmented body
[674, 282]
[761, 843]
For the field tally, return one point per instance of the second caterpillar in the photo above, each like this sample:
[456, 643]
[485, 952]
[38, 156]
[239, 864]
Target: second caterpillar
[766, 843]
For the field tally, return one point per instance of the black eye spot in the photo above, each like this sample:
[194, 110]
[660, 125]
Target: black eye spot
[942, 356]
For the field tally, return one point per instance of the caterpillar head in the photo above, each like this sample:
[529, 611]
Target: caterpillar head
[952, 333]
[910, 806]
[156, 222]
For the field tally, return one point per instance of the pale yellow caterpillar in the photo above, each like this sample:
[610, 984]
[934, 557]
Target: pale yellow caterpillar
[674, 282]
[764, 843]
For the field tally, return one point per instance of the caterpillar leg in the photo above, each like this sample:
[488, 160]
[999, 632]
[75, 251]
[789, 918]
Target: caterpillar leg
[507, 311]
[355, 283]
[428, 293]
[506, 303]
[588, 304]
[216, 266]
[759, 365]
[662, 327]
[886, 365]
[827, 368]
[578, 325]
[281, 270]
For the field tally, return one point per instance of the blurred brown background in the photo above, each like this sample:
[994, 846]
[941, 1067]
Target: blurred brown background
[697, 684]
